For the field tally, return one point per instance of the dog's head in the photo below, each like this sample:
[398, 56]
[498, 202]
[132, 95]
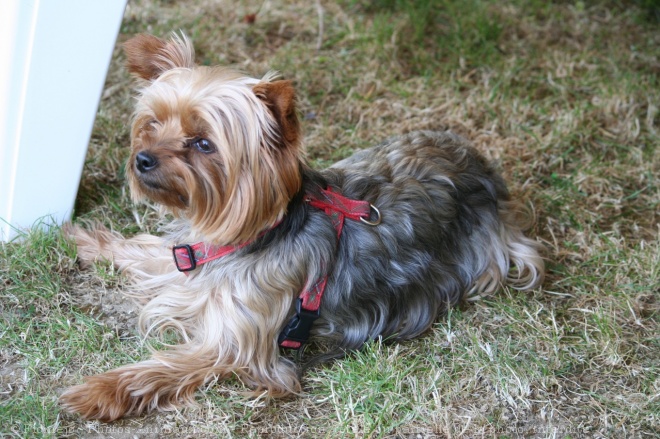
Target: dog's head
[210, 144]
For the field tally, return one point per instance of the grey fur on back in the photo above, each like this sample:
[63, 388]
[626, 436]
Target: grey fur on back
[441, 237]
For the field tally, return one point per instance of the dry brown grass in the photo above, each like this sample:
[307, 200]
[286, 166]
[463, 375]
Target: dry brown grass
[563, 96]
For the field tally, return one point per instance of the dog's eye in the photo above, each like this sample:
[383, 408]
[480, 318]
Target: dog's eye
[203, 145]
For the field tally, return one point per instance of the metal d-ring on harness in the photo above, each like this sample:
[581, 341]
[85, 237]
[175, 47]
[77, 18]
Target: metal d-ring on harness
[308, 305]
[374, 222]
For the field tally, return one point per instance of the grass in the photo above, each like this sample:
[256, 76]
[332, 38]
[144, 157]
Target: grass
[564, 96]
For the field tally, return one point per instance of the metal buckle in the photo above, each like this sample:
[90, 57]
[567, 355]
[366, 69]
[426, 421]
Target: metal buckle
[374, 222]
[300, 325]
[191, 257]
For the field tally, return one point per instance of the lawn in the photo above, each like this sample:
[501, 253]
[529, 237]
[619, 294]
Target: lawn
[563, 96]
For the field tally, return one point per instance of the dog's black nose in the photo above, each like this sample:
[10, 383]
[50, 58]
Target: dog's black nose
[145, 162]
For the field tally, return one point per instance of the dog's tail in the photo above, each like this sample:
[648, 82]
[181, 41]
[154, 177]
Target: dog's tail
[526, 269]
[514, 258]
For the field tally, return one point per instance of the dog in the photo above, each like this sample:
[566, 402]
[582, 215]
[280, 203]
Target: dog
[265, 253]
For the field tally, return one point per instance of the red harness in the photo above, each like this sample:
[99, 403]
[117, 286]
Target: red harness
[296, 332]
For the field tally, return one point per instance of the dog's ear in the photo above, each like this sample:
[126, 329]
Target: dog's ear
[147, 57]
[280, 98]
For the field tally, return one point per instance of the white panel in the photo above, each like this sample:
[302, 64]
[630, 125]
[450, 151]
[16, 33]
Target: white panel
[59, 58]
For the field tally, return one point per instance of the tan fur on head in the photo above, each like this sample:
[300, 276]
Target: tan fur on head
[245, 184]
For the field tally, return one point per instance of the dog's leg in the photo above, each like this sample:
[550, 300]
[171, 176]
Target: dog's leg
[133, 389]
[167, 381]
[142, 257]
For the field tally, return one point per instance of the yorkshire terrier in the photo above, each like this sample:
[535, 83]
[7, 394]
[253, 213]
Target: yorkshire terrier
[265, 253]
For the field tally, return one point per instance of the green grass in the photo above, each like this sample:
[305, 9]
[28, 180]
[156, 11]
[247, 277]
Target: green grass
[564, 96]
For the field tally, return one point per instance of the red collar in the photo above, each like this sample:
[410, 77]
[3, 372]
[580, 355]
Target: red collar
[188, 257]
[337, 207]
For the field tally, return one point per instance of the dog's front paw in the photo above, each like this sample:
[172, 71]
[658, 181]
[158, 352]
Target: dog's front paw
[132, 391]
[100, 397]
[92, 244]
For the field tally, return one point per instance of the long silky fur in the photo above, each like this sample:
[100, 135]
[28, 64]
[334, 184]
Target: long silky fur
[449, 232]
